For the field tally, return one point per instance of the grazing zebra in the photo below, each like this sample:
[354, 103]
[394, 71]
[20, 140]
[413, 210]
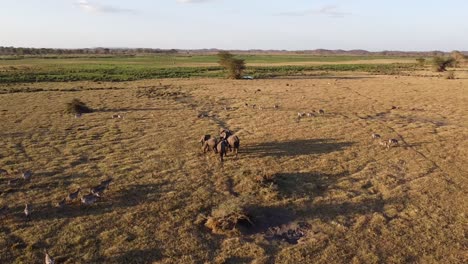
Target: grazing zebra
[88, 199]
[72, 196]
[98, 190]
[27, 175]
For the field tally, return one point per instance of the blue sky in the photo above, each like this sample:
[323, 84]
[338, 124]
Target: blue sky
[237, 24]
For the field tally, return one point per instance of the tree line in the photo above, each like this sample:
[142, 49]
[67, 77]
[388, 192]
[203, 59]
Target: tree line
[18, 51]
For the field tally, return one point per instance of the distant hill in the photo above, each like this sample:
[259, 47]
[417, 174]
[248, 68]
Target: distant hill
[20, 51]
[326, 52]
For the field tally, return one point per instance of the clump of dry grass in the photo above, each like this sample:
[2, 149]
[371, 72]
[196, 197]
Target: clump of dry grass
[266, 178]
[229, 216]
[76, 106]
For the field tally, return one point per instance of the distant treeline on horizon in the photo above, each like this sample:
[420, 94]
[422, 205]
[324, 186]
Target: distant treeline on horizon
[20, 51]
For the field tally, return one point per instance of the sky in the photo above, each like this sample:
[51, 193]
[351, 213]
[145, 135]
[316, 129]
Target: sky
[375, 25]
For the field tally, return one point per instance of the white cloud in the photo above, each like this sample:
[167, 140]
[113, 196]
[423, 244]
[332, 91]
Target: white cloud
[90, 7]
[330, 11]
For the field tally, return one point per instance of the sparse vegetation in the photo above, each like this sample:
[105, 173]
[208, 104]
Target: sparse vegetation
[76, 106]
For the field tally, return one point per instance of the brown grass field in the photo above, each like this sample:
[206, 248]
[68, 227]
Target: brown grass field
[328, 192]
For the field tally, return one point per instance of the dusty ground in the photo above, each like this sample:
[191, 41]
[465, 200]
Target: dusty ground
[352, 200]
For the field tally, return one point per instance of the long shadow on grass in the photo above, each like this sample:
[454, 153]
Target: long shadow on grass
[111, 200]
[295, 147]
[266, 219]
[301, 184]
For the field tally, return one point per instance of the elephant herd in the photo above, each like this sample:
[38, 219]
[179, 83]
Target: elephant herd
[227, 141]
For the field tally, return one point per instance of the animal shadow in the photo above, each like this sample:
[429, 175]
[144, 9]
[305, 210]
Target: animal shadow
[296, 147]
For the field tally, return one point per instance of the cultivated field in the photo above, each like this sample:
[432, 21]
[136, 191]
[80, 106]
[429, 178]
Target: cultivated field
[60, 69]
[313, 189]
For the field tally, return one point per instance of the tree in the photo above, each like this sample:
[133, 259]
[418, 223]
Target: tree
[440, 63]
[224, 58]
[234, 66]
[458, 58]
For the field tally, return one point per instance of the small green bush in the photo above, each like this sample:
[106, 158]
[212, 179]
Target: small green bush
[77, 107]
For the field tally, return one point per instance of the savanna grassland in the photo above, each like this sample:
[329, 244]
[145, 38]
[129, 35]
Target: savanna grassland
[313, 189]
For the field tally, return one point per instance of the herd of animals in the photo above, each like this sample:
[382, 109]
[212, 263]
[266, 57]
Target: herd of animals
[94, 194]
[227, 141]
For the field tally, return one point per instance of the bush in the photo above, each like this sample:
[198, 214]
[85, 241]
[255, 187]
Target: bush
[450, 75]
[440, 63]
[234, 66]
[77, 107]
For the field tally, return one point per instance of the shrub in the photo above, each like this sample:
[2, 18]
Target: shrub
[449, 75]
[234, 66]
[440, 63]
[77, 107]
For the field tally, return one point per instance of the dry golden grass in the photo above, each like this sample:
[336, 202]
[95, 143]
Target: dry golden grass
[348, 199]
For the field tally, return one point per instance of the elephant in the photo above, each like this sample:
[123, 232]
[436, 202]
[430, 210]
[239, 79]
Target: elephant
[208, 143]
[233, 142]
[225, 133]
[222, 148]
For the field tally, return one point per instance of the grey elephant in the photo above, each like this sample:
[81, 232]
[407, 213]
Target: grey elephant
[233, 142]
[208, 143]
[222, 147]
[226, 132]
